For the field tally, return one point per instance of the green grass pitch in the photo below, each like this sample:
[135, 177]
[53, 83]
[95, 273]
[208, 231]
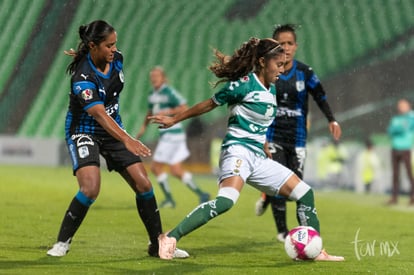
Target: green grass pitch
[374, 238]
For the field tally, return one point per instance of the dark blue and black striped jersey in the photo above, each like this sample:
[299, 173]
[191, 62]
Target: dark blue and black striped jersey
[90, 87]
[292, 91]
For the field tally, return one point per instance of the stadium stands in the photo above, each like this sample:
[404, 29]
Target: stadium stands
[15, 31]
[180, 34]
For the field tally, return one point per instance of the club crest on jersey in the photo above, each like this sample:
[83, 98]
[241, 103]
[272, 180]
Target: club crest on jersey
[87, 94]
[300, 85]
[83, 152]
[245, 79]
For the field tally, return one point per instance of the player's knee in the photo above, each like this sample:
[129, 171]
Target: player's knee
[226, 198]
[90, 191]
[299, 191]
[85, 199]
[186, 176]
[223, 204]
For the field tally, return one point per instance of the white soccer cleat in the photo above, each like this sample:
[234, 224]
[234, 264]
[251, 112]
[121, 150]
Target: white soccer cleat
[180, 254]
[166, 247]
[281, 237]
[324, 256]
[59, 249]
[260, 207]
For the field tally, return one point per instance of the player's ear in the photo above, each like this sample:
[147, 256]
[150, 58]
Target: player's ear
[91, 45]
[262, 62]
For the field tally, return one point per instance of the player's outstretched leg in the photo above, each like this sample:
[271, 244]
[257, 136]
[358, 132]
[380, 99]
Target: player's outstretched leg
[150, 216]
[307, 216]
[261, 204]
[278, 204]
[73, 218]
[225, 199]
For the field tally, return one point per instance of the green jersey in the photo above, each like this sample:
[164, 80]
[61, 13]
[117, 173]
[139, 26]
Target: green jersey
[252, 109]
[401, 131]
[163, 99]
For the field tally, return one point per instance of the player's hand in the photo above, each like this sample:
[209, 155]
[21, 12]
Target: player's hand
[137, 148]
[266, 149]
[70, 52]
[163, 121]
[335, 130]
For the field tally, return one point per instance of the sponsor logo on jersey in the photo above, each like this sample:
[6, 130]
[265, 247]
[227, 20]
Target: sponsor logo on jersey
[300, 85]
[83, 140]
[111, 109]
[286, 112]
[87, 94]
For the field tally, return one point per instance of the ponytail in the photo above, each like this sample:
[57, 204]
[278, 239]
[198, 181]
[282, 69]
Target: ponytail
[95, 32]
[244, 60]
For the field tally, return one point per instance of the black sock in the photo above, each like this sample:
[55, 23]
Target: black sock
[279, 213]
[149, 214]
[72, 220]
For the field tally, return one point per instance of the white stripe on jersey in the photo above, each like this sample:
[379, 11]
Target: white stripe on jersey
[252, 109]
[252, 112]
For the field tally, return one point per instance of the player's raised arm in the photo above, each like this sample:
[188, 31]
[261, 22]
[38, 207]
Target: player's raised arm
[198, 109]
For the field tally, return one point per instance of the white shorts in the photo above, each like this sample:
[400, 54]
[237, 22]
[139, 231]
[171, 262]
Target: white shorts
[261, 172]
[171, 149]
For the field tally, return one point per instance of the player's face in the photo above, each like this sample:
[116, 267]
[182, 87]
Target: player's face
[274, 67]
[403, 106]
[157, 79]
[105, 51]
[288, 42]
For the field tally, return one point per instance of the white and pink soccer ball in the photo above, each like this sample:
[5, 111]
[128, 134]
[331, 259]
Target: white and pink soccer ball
[303, 242]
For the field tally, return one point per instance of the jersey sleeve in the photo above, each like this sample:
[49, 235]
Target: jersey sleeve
[318, 93]
[86, 93]
[176, 99]
[231, 93]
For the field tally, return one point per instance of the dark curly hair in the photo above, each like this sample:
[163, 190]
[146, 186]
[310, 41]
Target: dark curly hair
[95, 32]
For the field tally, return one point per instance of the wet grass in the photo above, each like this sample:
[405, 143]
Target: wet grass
[374, 238]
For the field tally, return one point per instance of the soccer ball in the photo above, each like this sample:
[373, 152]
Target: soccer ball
[303, 242]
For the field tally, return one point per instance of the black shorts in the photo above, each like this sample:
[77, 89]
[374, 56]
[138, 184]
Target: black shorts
[85, 149]
[288, 156]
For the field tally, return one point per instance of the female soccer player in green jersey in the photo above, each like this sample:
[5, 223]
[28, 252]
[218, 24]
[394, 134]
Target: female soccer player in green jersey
[250, 94]
[172, 147]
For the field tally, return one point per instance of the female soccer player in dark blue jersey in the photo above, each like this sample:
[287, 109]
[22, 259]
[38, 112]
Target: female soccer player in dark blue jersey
[94, 127]
[287, 134]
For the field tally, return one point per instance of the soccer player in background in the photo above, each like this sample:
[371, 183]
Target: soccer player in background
[172, 147]
[93, 126]
[287, 134]
[401, 132]
[249, 76]
[368, 166]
